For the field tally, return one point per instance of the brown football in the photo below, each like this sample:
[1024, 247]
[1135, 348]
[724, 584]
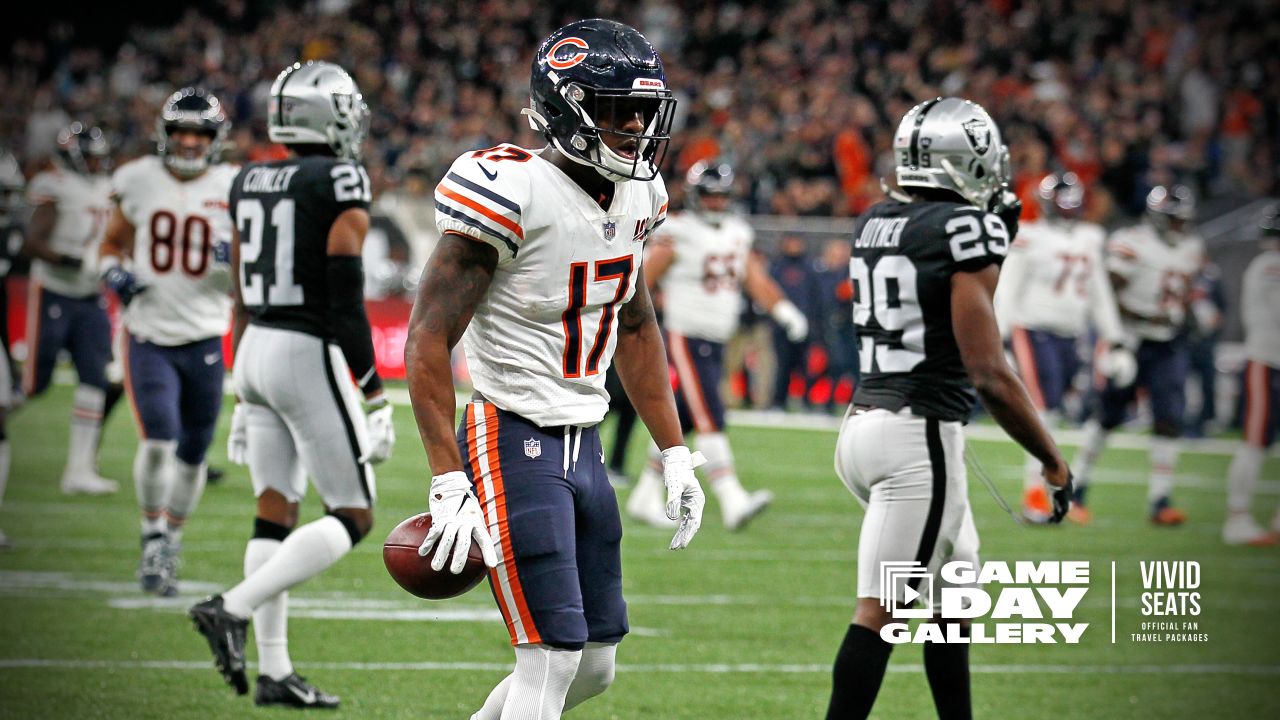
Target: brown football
[413, 572]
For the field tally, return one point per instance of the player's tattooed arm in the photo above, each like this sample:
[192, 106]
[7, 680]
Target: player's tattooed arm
[453, 283]
[641, 359]
[973, 322]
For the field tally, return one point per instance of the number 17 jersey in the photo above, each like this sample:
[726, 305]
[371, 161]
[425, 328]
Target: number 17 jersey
[542, 338]
[904, 255]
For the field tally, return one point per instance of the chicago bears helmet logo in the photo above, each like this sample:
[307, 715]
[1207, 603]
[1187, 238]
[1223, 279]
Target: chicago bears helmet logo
[564, 63]
[979, 134]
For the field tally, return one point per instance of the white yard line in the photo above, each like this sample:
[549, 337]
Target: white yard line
[712, 668]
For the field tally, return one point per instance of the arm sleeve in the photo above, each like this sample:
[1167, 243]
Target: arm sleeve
[662, 201]
[348, 321]
[1121, 255]
[43, 189]
[1013, 282]
[484, 202]
[1102, 301]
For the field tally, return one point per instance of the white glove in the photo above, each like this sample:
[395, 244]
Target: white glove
[381, 432]
[1119, 365]
[238, 438]
[456, 521]
[684, 494]
[792, 321]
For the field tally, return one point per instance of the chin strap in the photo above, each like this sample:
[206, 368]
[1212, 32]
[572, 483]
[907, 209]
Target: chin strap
[893, 193]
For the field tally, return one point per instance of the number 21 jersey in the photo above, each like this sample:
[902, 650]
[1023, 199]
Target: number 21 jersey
[284, 210]
[904, 255]
[542, 338]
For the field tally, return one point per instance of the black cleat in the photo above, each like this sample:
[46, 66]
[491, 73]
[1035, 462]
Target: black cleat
[292, 691]
[225, 633]
[214, 475]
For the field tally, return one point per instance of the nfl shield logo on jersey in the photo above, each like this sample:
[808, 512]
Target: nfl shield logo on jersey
[610, 230]
[532, 448]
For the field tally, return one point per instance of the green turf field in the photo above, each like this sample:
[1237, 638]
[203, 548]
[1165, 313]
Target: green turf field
[738, 626]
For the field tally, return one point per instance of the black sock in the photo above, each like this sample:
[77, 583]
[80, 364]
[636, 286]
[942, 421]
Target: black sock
[857, 674]
[947, 666]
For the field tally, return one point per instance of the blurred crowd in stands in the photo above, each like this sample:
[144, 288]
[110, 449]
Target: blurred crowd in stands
[801, 97]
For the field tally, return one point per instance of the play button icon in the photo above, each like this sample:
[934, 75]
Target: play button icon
[909, 595]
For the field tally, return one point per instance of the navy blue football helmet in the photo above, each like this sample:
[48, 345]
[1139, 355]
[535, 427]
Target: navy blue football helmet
[707, 177]
[191, 108]
[1062, 195]
[596, 70]
[77, 143]
[1171, 207]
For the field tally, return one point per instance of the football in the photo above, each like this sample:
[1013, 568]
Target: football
[413, 572]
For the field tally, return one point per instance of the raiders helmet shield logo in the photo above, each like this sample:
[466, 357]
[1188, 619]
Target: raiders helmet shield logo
[533, 448]
[979, 134]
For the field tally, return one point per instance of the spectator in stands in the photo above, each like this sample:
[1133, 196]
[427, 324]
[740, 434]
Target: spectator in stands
[796, 274]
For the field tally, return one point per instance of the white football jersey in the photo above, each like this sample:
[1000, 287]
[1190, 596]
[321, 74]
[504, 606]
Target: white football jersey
[543, 336]
[83, 205]
[1259, 302]
[702, 289]
[1054, 280]
[1158, 274]
[176, 225]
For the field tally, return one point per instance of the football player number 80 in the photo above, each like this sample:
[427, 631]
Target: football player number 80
[888, 294]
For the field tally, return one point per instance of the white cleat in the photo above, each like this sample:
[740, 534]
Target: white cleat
[1242, 529]
[88, 484]
[650, 510]
[737, 517]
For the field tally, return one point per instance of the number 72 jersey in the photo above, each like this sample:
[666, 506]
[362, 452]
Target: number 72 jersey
[542, 338]
[904, 255]
[284, 210]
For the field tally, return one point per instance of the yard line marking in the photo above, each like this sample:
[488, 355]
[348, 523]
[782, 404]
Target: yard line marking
[711, 668]
[1113, 602]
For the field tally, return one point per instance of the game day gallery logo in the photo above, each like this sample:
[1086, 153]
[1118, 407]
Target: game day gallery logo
[1007, 603]
[1028, 602]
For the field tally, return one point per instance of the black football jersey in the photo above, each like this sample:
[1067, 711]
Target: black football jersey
[283, 210]
[904, 255]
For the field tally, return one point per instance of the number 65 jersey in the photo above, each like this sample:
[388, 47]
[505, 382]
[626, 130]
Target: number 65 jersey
[904, 255]
[542, 338]
[177, 226]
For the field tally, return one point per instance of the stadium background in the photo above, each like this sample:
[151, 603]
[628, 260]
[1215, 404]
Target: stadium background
[801, 98]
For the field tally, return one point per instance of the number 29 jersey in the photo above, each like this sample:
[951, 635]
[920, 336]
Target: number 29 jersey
[177, 225]
[283, 210]
[904, 255]
[542, 338]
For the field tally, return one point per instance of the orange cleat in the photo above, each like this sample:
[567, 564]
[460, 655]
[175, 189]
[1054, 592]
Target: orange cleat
[1035, 505]
[1079, 514]
[1164, 514]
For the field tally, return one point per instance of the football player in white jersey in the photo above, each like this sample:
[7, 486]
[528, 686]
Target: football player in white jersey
[71, 202]
[166, 257]
[702, 258]
[1151, 266]
[538, 272]
[1053, 286]
[1259, 299]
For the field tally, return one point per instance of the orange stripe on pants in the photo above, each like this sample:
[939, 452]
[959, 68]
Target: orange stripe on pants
[128, 389]
[1026, 358]
[690, 383]
[505, 578]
